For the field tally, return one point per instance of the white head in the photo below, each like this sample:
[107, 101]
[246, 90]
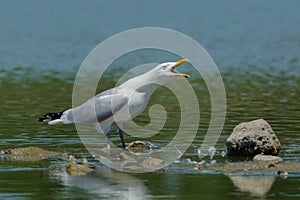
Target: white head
[165, 71]
[159, 75]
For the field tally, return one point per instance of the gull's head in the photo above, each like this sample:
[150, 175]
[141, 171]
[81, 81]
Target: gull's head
[159, 75]
[167, 70]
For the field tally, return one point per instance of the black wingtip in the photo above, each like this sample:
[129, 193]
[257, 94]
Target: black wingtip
[42, 119]
[50, 116]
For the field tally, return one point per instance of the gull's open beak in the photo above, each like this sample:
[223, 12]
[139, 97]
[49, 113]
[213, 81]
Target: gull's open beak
[179, 62]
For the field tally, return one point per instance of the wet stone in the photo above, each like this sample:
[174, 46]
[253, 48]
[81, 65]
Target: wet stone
[252, 138]
[29, 153]
[267, 159]
[140, 146]
[78, 169]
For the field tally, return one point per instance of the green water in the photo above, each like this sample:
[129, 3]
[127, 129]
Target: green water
[255, 45]
[26, 99]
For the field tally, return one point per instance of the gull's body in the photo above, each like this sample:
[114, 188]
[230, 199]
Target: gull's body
[119, 104]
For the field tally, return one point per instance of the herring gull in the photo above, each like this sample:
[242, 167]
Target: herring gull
[120, 104]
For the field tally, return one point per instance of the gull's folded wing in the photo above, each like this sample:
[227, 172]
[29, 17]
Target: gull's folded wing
[98, 108]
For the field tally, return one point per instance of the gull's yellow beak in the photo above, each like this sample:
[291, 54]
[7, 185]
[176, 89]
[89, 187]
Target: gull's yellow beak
[179, 62]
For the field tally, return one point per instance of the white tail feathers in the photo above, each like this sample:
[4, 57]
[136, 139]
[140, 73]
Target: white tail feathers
[56, 121]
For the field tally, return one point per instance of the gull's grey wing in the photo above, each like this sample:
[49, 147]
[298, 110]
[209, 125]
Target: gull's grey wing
[104, 104]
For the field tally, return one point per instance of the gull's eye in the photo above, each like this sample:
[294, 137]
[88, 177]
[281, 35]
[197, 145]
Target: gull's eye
[164, 67]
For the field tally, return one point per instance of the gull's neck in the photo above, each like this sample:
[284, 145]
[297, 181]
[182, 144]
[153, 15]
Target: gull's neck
[144, 83]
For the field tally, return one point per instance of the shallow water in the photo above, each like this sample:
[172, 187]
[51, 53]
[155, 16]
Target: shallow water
[255, 45]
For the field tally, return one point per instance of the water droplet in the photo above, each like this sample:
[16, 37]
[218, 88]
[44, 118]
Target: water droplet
[199, 152]
[176, 161]
[84, 160]
[211, 151]
[201, 162]
[223, 154]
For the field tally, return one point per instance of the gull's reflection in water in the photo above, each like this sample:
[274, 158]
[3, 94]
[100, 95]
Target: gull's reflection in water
[258, 185]
[105, 182]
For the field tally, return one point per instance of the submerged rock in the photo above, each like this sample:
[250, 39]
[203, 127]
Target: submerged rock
[124, 156]
[140, 146]
[78, 169]
[251, 168]
[152, 162]
[29, 153]
[252, 138]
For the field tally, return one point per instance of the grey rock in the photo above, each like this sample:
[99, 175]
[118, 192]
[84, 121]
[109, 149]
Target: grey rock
[267, 159]
[252, 138]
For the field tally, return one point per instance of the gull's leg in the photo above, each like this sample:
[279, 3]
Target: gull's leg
[104, 128]
[122, 138]
[108, 140]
